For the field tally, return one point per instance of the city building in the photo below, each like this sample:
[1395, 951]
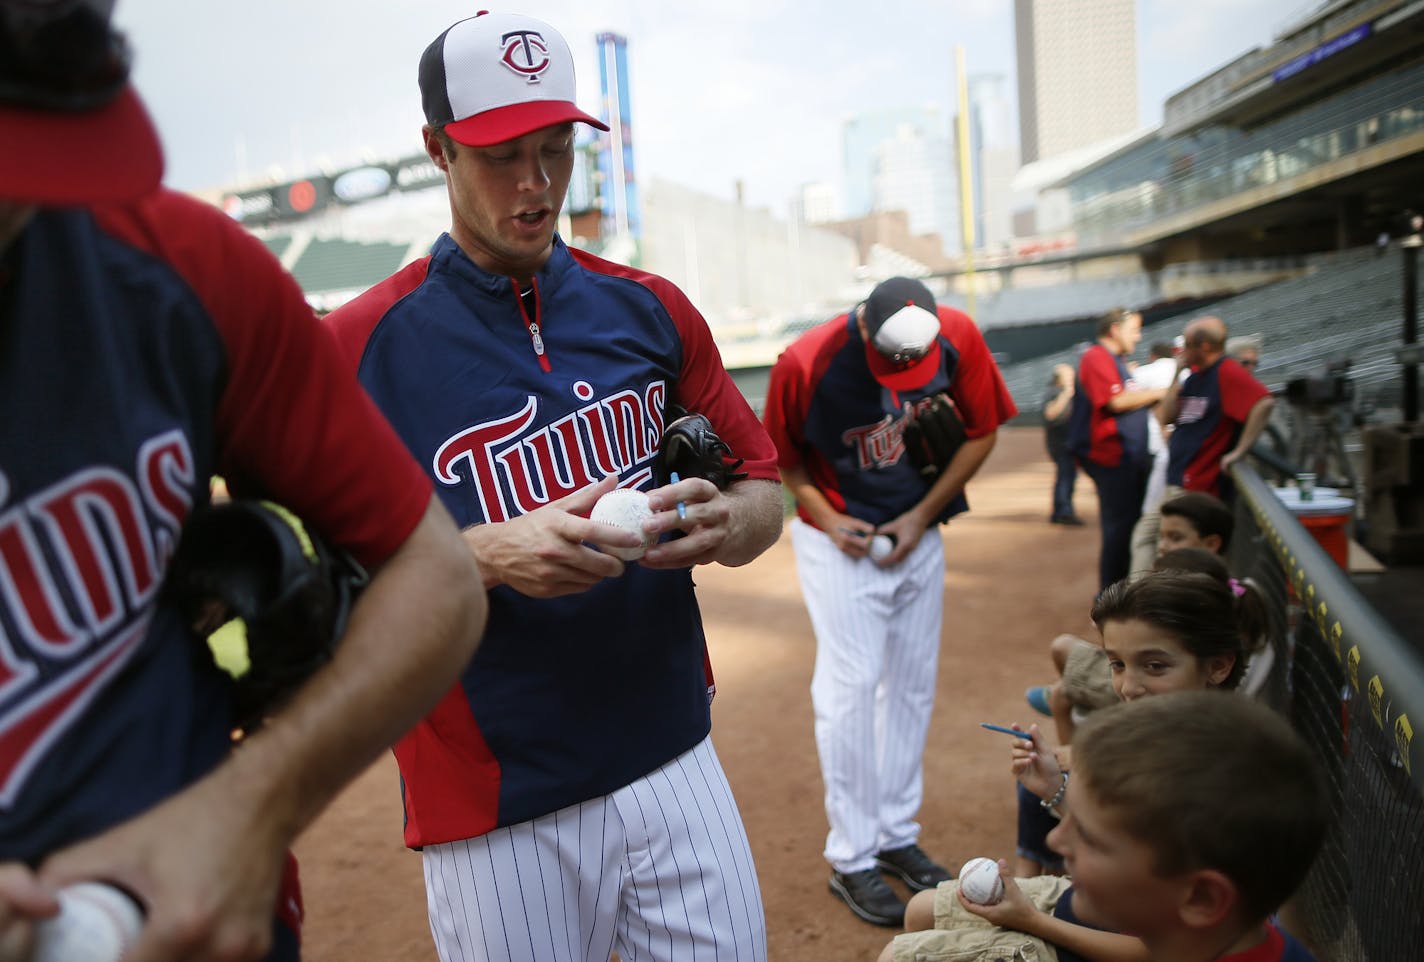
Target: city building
[1077, 72]
[993, 159]
[861, 138]
[914, 172]
[816, 203]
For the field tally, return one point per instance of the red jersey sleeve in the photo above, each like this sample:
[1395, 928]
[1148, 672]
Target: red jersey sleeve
[704, 386]
[1239, 390]
[1099, 376]
[979, 390]
[293, 424]
[785, 409]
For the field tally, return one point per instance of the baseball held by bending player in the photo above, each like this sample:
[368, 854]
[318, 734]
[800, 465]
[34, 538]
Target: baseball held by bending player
[838, 399]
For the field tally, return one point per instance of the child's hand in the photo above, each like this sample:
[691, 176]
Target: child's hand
[1013, 911]
[1035, 765]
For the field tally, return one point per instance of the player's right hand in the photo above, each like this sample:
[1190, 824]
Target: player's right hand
[548, 552]
[1035, 765]
[851, 535]
[23, 901]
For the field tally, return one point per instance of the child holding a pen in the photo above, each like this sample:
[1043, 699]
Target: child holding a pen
[1168, 631]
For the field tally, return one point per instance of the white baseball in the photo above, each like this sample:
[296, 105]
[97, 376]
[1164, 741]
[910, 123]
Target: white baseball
[624, 508]
[880, 547]
[96, 923]
[979, 881]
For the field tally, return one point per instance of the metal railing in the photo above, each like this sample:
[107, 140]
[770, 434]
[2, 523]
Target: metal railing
[1354, 689]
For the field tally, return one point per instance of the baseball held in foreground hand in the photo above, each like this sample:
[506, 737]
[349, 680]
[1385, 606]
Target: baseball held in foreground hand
[880, 546]
[979, 881]
[96, 923]
[624, 508]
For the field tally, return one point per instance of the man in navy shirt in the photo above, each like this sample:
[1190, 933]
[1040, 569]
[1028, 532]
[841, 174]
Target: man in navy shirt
[1217, 412]
[147, 342]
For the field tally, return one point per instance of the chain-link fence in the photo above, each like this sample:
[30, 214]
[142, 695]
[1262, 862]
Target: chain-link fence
[1355, 691]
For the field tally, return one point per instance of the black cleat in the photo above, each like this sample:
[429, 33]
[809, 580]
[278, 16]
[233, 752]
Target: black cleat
[913, 867]
[869, 897]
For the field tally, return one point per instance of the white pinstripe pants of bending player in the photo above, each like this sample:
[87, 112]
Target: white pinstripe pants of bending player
[877, 648]
[659, 870]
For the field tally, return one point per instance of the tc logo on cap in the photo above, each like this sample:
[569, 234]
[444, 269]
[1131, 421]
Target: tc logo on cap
[525, 53]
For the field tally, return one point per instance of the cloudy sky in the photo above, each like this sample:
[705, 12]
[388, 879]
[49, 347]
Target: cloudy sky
[749, 89]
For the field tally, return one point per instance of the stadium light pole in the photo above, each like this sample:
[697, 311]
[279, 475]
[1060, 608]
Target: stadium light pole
[966, 188]
[1409, 246]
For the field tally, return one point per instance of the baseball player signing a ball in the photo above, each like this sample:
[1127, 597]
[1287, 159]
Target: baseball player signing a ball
[565, 794]
[839, 400]
[147, 342]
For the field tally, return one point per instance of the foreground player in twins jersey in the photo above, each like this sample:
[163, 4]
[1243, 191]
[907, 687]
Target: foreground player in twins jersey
[565, 794]
[146, 342]
[837, 405]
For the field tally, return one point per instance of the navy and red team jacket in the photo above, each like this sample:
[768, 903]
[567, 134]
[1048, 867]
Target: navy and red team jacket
[510, 407]
[828, 414]
[144, 347]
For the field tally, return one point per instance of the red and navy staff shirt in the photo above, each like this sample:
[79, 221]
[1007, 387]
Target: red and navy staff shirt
[511, 403]
[1095, 433]
[143, 348]
[828, 414]
[1212, 407]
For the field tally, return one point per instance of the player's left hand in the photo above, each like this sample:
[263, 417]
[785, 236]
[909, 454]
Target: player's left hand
[907, 530]
[23, 901]
[206, 864]
[1013, 911]
[707, 524]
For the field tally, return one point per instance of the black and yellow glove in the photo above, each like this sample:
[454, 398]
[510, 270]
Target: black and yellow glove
[254, 561]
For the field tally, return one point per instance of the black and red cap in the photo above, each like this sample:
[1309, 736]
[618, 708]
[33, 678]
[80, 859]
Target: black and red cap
[74, 131]
[902, 324]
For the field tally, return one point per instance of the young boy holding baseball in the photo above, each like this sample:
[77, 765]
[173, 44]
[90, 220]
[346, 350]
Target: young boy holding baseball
[1189, 819]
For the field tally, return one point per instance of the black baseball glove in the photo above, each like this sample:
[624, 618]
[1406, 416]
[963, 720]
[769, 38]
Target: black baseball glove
[691, 449]
[255, 561]
[933, 436]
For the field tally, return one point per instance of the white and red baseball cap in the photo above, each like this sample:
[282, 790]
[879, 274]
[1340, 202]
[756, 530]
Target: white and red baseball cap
[72, 127]
[903, 324]
[498, 76]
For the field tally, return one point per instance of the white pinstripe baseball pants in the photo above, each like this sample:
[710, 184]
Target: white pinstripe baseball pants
[660, 870]
[877, 649]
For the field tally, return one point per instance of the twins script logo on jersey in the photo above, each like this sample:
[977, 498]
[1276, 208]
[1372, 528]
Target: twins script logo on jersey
[80, 563]
[525, 53]
[1191, 409]
[516, 468]
[882, 444]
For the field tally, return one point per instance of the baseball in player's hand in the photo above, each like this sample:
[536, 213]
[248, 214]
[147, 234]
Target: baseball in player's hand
[205, 864]
[23, 901]
[552, 550]
[1035, 765]
[906, 531]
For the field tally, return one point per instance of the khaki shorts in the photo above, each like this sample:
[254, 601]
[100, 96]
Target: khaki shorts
[1087, 679]
[961, 936]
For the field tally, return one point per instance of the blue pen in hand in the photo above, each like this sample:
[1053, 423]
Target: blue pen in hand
[681, 505]
[1006, 731]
